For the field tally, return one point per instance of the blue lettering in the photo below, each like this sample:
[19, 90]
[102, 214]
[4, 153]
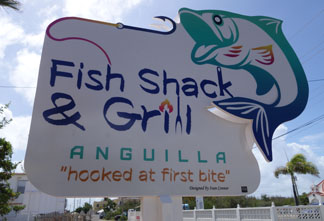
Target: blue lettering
[156, 88]
[223, 87]
[61, 110]
[111, 76]
[167, 81]
[80, 76]
[98, 86]
[55, 73]
[190, 89]
[132, 117]
[147, 115]
[203, 85]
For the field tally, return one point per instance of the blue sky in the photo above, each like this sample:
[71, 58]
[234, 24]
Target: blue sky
[22, 35]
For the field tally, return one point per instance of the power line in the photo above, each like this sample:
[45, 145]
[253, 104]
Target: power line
[315, 80]
[312, 49]
[317, 52]
[6, 86]
[307, 24]
[317, 119]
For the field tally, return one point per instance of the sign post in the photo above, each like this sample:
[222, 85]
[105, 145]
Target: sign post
[127, 111]
[164, 208]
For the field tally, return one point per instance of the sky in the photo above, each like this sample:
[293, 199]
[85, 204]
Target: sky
[22, 34]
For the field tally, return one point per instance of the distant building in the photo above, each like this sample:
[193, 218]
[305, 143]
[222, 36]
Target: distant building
[121, 200]
[316, 197]
[99, 205]
[36, 202]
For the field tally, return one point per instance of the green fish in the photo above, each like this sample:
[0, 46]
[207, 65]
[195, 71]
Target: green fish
[253, 44]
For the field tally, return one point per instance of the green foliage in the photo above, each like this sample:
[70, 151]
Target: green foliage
[110, 206]
[304, 199]
[298, 164]
[130, 204]
[86, 207]
[6, 166]
[123, 217]
[78, 210]
[10, 4]
[191, 201]
[6, 169]
[4, 121]
[111, 214]
[112, 210]
[17, 208]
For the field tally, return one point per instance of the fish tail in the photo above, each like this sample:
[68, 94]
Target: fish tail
[262, 127]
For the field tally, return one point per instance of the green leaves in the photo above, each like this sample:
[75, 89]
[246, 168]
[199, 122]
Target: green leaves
[297, 164]
[4, 121]
[6, 166]
[10, 4]
[281, 170]
[6, 170]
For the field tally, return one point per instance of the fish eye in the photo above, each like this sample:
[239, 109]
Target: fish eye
[218, 20]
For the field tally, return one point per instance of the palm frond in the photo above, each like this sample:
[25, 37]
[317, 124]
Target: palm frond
[299, 164]
[10, 4]
[281, 170]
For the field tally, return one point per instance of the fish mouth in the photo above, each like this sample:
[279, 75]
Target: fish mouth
[207, 35]
[203, 53]
[197, 28]
[204, 36]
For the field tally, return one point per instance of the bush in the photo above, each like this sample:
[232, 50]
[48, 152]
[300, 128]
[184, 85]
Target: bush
[123, 217]
[112, 214]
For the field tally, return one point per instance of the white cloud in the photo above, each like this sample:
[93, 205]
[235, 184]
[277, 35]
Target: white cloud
[34, 40]
[25, 73]
[17, 131]
[312, 138]
[105, 10]
[10, 33]
[49, 11]
[281, 151]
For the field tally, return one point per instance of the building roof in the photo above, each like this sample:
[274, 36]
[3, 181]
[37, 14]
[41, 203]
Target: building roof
[317, 193]
[321, 186]
[318, 189]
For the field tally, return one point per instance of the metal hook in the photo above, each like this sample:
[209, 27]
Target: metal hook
[163, 18]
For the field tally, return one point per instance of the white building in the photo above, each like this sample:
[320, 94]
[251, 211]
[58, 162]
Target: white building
[316, 197]
[36, 202]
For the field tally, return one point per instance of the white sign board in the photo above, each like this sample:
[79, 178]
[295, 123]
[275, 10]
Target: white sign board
[126, 111]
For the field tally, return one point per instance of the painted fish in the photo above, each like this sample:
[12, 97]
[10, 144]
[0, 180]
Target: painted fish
[256, 45]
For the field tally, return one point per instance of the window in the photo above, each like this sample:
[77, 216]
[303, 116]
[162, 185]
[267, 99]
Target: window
[21, 186]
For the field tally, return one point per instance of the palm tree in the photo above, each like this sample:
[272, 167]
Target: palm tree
[297, 164]
[10, 3]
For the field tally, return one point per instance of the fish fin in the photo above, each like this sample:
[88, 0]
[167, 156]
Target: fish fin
[264, 54]
[257, 112]
[269, 24]
[234, 51]
[264, 79]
